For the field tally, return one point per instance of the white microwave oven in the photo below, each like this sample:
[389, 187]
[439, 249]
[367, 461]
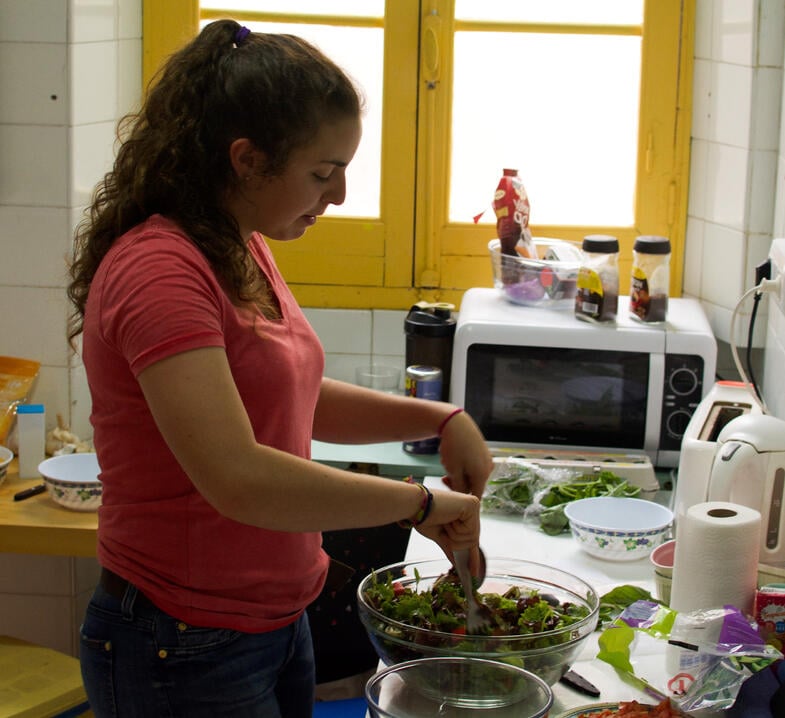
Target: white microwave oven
[538, 378]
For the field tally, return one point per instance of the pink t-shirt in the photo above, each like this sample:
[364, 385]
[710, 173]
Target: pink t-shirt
[153, 296]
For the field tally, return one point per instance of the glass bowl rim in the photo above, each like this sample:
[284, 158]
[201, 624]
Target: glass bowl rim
[396, 668]
[593, 611]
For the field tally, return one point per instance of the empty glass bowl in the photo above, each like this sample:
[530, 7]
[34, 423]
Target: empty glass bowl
[457, 686]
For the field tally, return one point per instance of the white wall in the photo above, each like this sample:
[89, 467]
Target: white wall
[737, 94]
[69, 68]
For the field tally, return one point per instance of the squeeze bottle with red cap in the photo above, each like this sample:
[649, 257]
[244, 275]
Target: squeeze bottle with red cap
[512, 208]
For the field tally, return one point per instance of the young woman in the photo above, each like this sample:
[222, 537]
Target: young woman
[207, 388]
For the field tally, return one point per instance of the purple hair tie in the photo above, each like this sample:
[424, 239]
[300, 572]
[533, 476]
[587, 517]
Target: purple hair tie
[240, 35]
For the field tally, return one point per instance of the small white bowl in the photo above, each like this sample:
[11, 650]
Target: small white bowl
[618, 528]
[72, 480]
[6, 457]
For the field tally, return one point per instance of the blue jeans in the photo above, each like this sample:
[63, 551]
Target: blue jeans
[139, 662]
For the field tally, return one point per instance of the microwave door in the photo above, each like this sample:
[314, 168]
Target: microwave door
[564, 397]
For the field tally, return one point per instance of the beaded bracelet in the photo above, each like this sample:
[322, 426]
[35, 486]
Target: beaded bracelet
[425, 506]
[449, 416]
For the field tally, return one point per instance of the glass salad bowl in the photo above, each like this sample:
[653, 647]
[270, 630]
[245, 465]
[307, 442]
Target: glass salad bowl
[540, 616]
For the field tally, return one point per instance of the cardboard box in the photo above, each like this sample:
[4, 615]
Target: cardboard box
[769, 613]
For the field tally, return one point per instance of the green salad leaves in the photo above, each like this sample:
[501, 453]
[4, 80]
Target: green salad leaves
[442, 608]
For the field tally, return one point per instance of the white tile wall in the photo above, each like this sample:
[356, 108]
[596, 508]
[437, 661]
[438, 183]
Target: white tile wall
[734, 176]
[353, 338]
[93, 71]
[774, 363]
[46, 90]
[33, 244]
[771, 39]
[33, 20]
[92, 20]
[35, 162]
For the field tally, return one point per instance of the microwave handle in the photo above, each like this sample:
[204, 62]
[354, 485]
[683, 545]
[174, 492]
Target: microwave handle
[656, 389]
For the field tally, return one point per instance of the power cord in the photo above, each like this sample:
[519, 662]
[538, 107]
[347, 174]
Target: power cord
[750, 330]
[763, 286]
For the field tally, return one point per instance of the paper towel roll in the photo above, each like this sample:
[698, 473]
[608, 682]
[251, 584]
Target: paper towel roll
[716, 557]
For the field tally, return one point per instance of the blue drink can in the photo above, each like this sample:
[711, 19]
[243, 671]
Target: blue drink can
[423, 382]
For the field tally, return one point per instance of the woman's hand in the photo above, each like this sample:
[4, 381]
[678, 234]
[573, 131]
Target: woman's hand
[453, 522]
[464, 455]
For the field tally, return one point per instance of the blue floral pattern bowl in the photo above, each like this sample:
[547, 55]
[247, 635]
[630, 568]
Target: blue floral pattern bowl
[72, 481]
[6, 456]
[618, 528]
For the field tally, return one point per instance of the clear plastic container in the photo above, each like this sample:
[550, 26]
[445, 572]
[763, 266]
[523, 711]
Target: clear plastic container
[548, 281]
[597, 293]
[650, 280]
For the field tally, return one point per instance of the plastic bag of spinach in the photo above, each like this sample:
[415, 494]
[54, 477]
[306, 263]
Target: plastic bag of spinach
[539, 493]
[512, 486]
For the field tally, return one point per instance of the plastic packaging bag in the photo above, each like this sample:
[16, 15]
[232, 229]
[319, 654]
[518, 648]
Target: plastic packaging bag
[708, 654]
[539, 493]
[16, 380]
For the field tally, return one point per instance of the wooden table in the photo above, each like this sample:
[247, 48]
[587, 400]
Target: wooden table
[40, 526]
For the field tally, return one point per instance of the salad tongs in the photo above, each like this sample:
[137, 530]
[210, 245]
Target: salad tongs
[476, 614]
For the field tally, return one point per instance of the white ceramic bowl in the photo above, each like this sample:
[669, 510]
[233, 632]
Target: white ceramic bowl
[72, 480]
[6, 457]
[617, 528]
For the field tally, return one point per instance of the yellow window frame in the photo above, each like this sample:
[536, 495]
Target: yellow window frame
[412, 251]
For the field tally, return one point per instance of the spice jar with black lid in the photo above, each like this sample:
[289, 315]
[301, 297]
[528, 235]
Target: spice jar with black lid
[597, 295]
[651, 256]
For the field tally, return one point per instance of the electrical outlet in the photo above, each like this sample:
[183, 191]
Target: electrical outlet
[777, 255]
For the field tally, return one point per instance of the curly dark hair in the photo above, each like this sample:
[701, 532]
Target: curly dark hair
[173, 157]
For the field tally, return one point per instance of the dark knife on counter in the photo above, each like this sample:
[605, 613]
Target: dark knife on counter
[580, 684]
[27, 493]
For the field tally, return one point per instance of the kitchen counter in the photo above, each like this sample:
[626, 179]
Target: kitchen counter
[40, 526]
[511, 536]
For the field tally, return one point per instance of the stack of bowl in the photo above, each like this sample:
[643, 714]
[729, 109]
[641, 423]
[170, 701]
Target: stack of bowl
[662, 559]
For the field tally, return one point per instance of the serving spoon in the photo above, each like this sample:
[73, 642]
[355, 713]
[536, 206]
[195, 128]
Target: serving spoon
[477, 617]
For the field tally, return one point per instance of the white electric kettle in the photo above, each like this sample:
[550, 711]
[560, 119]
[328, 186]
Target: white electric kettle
[749, 469]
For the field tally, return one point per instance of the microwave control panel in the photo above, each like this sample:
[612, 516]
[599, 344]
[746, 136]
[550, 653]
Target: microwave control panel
[681, 395]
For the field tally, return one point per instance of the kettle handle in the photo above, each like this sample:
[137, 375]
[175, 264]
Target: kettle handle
[731, 459]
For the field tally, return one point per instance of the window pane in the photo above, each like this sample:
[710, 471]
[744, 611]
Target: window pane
[359, 51]
[570, 127]
[356, 8]
[597, 12]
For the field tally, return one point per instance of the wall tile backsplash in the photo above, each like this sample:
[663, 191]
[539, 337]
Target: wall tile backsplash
[34, 20]
[46, 89]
